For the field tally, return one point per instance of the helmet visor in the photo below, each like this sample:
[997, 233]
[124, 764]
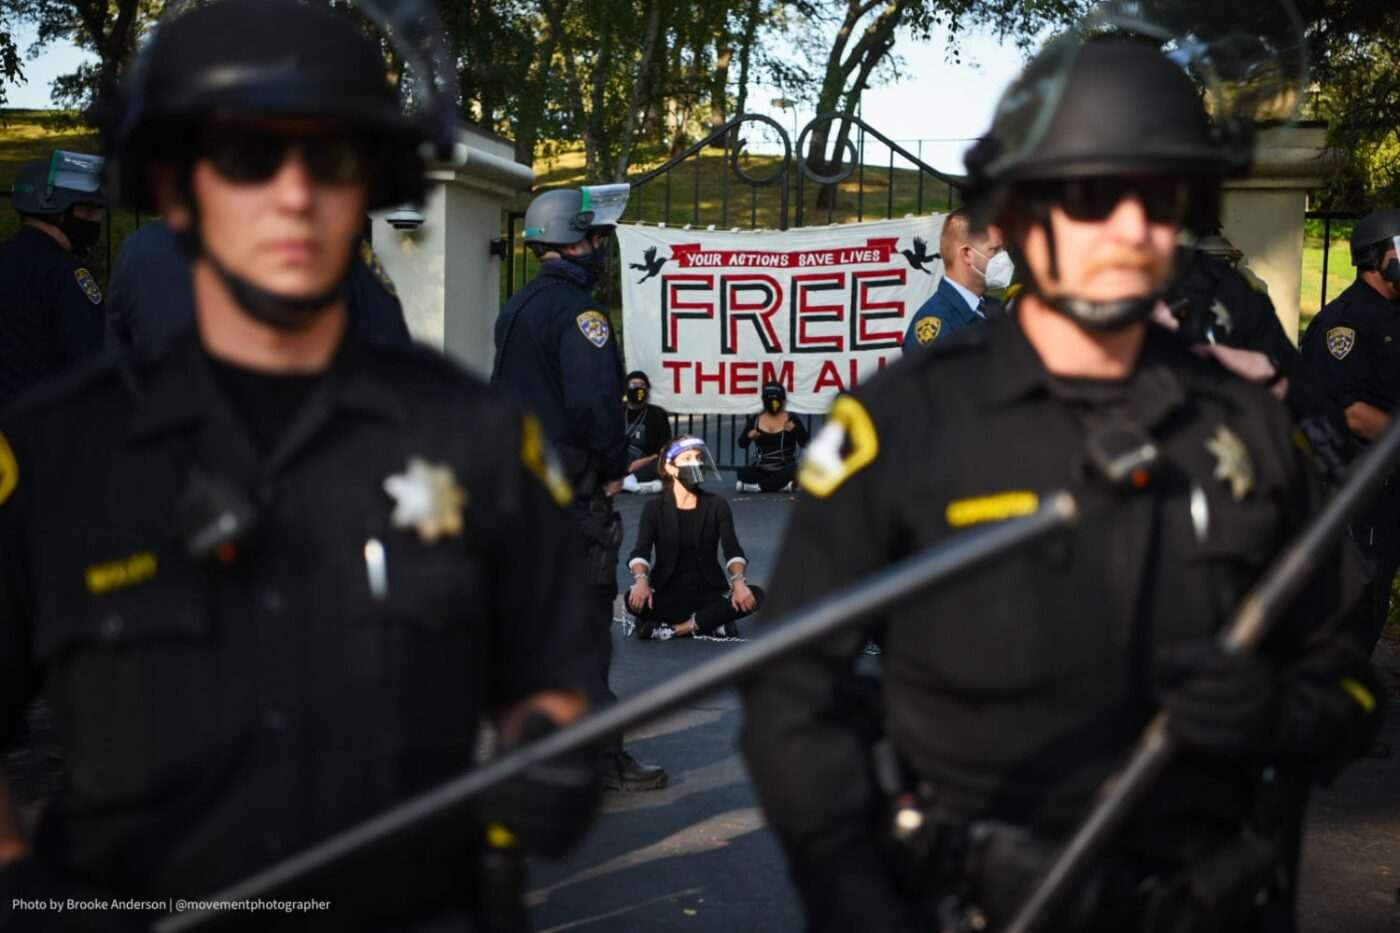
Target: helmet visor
[76, 171]
[606, 203]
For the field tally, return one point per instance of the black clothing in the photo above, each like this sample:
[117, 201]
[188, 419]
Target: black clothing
[151, 294]
[1237, 315]
[767, 480]
[1352, 348]
[773, 450]
[1016, 689]
[648, 431]
[217, 717]
[266, 403]
[686, 579]
[52, 315]
[712, 610]
[660, 532]
[556, 356]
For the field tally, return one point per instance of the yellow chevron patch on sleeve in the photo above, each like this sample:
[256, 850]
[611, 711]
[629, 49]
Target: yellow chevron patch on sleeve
[9, 470]
[539, 458]
[845, 445]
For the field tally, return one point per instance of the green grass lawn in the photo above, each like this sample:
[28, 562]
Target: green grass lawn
[1340, 274]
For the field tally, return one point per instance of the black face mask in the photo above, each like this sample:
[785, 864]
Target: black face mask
[637, 395]
[691, 475]
[82, 234]
[1391, 272]
[775, 405]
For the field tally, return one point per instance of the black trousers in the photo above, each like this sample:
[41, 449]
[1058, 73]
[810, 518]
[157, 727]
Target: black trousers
[647, 473]
[767, 480]
[673, 605]
[1377, 535]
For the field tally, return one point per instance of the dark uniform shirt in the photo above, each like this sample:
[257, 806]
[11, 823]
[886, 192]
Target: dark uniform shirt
[151, 295]
[1016, 689]
[217, 716]
[946, 311]
[556, 356]
[1353, 347]
[52, 311]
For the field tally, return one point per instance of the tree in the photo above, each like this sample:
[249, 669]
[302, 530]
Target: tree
[11, 67]
[107, 28]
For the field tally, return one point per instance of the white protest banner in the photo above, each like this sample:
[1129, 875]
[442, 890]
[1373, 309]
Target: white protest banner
[710, 316]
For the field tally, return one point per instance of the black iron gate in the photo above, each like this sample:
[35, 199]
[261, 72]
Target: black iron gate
[748, 174]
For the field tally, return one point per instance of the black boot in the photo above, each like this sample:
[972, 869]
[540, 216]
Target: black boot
[623, 772]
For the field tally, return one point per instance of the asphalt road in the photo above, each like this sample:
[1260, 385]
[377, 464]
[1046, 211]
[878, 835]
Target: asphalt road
[697, 856]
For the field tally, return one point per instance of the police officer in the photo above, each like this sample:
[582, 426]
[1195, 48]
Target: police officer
[556, 355]
[150, 298]
[1011, 693]
[1353, 348]
[271, 580]
[973, 262]
[1226, 314]
[53, 305]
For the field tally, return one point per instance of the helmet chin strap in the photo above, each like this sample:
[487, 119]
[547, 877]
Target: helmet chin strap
[1102, 316]
[283, 312]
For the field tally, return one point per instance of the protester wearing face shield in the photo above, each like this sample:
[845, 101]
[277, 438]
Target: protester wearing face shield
[686, 592]
[648, 430]
[1353, 348]
[975, 262]
[775, 436]
[53, 314]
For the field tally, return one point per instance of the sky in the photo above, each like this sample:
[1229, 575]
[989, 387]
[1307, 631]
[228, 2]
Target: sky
[942, 104]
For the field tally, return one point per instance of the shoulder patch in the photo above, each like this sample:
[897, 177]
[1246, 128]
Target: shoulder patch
[371, 261]
[927, 329]
[1340, 341]
[9, 470]
[845, 445]
[539, 458]
[997, 507]
[88, 284]
[594, 327]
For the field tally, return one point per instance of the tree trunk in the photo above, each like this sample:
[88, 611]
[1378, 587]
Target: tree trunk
[530, 113]
[719, 84]
[746, 55]
[634, 101]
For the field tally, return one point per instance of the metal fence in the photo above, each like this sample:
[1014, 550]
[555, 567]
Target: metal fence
[1328, 218]
[839, 168]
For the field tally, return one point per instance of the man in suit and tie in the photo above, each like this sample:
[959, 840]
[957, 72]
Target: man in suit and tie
[973, 261]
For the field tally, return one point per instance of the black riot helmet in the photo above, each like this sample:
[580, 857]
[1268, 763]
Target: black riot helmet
[283, 58]
[65, 179]
[1373, 234]
[1165, 92]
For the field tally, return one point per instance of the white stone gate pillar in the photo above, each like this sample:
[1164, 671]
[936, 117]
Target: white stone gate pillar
[448, 281]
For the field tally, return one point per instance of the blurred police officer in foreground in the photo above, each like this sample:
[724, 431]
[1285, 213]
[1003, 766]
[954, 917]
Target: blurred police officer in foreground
[1012, 693]
[52, 305]
[557, 356]
[270, 581]
[150, 296]
[1353, 348]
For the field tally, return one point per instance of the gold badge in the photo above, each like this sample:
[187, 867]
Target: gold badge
[594, 326]
[1340, 340]
[994, 508]
[371, 261]
[926, 329]
[845, 445]
[89, 285]
[428, 499]
[120, 574]
[540, 460]
[9, 470]
[1232, 463]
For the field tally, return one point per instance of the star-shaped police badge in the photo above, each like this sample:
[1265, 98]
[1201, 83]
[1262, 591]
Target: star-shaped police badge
[1232, 463]
[428, 499]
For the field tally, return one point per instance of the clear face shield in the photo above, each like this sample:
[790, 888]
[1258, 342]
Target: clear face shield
[1390, 267]
[76, 171]
[692, 460]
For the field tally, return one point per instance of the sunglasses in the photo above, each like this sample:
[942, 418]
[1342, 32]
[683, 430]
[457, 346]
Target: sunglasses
[245, 156]
[1165, 199]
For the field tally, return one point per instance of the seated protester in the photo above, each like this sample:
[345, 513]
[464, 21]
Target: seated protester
[648, 432]
[775, 434]
[686, 592]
